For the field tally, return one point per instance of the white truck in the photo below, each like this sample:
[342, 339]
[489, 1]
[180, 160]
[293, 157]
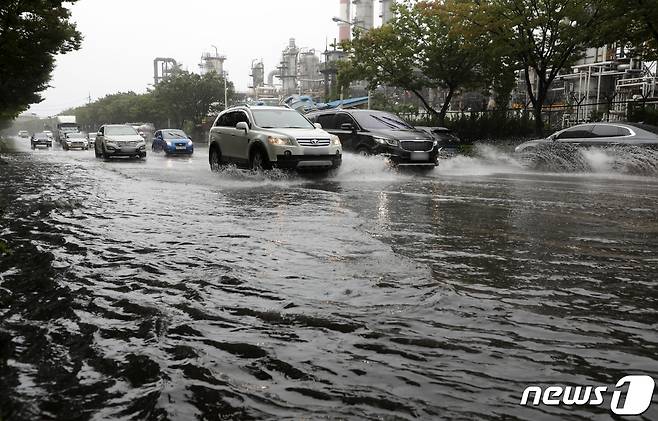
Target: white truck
[65, 124]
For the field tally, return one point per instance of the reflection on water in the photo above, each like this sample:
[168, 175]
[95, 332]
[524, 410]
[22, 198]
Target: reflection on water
[160, 290]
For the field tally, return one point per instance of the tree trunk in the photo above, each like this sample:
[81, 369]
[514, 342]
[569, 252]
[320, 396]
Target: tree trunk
[446, 105]
[428, 107]
[539, 122]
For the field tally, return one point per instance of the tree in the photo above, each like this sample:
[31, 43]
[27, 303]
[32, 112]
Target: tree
[419, 49]
[632, 22]
[543, 36]
[182, 98]
[190, 97]
[32, 32]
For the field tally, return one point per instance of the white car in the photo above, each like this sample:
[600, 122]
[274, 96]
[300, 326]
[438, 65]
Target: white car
[75, 141]
[119, 140]
[262, 137]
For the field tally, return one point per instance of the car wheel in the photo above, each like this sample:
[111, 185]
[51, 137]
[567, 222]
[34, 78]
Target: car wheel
[259, 161]
[363, 151]
[215, 158]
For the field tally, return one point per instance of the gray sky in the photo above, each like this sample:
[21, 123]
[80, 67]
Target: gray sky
[122, 37]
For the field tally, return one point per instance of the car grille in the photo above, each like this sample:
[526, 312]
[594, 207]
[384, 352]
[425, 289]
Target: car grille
[313, 142]
[128, 143]
[417, 145]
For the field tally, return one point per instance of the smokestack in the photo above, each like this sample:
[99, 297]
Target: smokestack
[387, 14]
[364, 14]
[344, 30]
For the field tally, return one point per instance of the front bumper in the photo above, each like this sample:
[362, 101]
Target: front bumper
[399, 156]
[42, 143]
[318, 162]
[172, 150]
[113, 150]
[77, 145]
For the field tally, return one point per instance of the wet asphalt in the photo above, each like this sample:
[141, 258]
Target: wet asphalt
[157, 289]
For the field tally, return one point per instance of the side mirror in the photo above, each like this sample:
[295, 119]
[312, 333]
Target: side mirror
[347, 126]
[189, 137]
[242, 126]
[317, 125]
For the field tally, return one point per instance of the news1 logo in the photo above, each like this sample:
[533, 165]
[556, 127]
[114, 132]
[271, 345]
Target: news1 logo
[636, 400]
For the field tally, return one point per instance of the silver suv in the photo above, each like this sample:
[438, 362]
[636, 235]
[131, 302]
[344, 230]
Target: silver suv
[119, 140]
[263, 137]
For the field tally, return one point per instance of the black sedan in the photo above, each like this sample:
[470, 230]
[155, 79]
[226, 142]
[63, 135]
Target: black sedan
[41, 139]
[599, 134]
[449, 143]
[371, 132]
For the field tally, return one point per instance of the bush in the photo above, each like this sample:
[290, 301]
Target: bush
[488, 126]
[640, 113]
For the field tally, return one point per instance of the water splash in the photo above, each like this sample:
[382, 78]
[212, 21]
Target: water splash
[626, 160]
[486, 160]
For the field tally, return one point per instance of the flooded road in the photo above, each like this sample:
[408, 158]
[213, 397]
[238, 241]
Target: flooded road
[159, 290]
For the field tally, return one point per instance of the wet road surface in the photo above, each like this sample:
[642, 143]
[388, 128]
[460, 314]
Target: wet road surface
[159, 290]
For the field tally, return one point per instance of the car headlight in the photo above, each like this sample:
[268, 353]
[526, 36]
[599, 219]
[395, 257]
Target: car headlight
[335, 140]
[168, 142]
[281, 141]
[385, 141]
[189, 143]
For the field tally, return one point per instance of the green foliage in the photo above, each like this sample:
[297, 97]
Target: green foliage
[32, 32]
[379, 101]
[632, 22]
[185, 98]
[542, 36]
[486, 126]
[423, 46]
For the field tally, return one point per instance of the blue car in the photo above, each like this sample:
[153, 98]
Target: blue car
[172, 142]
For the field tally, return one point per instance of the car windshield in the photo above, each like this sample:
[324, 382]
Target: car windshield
[281, 119]
[381, 121]
[174, 134]
[120, 130]
[40, 136]
[75, 136]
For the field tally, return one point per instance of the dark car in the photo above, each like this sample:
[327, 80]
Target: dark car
[372, 132]
[449, 143]
[172, 141]
[599, 134]
[41, 139]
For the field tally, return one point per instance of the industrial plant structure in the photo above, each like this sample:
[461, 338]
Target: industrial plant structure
[163, 67]
[212, 62]
[298, 72]
[604, 80]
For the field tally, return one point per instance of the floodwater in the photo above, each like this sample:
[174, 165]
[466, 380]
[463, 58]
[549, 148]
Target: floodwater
[160, 290]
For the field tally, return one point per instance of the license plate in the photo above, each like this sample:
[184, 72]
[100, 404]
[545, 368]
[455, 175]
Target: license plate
[180, 147]
[420, 156]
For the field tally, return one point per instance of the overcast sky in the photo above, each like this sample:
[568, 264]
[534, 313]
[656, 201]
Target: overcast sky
[122, 37]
